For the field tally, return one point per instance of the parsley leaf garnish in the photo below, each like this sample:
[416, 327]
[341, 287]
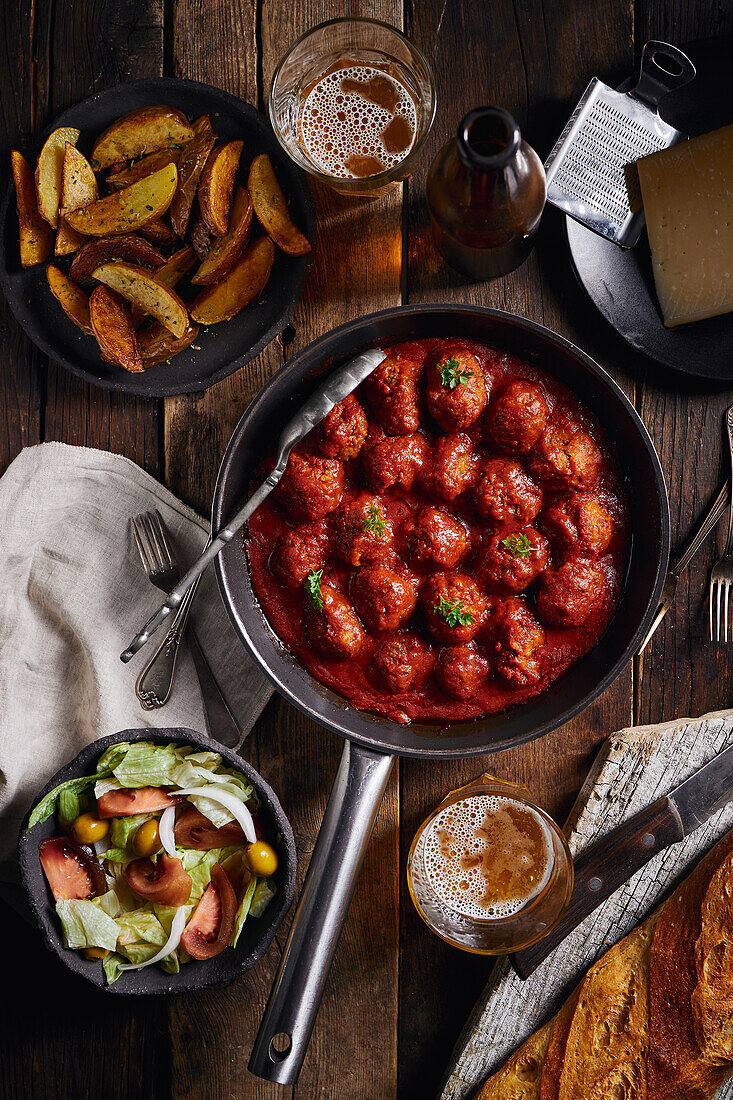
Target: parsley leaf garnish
[374, 521]
[452, 613]
[313, 588]
[519, 545]
[451, 374]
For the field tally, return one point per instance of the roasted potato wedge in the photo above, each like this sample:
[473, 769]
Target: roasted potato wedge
[36, 237]
[158, 232]
[240, 287]
[190, 166]
[113, 329]
[142, 289]
[225, 251]
[129, 209]
[74, 301]
[125, 174]
[271, 208]
[102, 250]
[49, 172]
[200, 238]
[156, 344]
[170, 273]
[216, 186]
[79, 188]
[140, 132]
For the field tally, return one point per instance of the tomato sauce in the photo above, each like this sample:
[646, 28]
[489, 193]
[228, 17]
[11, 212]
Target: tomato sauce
[425, 701]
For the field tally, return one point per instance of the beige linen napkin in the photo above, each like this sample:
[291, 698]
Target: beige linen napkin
[72, 595]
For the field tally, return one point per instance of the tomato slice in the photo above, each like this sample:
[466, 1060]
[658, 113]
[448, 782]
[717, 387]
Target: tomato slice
[194, 830]
[166, 881]
[72, 871]
[135, 800]
[210, 928]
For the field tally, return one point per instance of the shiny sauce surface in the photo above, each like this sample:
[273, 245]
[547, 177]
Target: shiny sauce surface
[355, 678]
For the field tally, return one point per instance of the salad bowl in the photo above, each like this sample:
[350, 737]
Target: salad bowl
[256, 934]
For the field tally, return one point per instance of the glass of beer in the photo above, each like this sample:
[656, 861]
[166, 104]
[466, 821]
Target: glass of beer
[489, 871]
[352, 102]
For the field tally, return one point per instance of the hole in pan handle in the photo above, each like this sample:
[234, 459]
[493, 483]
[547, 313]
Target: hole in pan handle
[663, 68]
[286, 1027]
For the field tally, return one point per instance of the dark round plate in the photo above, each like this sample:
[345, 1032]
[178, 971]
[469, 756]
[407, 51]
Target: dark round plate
[220, 349]
[257, 934]
[620, 282]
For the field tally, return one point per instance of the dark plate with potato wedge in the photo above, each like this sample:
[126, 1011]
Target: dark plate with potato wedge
[155, 239]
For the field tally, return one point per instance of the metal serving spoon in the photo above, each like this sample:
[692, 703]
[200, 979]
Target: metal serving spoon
[337, 386]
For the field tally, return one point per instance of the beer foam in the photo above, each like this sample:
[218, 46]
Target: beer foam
[465, 833]
[336, 125]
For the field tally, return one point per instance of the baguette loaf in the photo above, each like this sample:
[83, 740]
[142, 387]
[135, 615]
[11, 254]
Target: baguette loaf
[653, 1018]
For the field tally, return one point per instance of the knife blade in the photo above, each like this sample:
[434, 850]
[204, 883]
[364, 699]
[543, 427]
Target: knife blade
[609, 862]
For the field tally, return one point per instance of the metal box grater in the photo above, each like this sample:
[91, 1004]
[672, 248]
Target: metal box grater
[591, 171]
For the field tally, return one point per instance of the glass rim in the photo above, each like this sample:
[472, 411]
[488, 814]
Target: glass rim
[355, 183]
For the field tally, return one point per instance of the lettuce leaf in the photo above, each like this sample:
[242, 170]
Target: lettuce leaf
[170, 964]
[243, 910]
[111, 966]
[86, 925]
[50, 802]
[146, 765]
[264, 894]
[124, 828]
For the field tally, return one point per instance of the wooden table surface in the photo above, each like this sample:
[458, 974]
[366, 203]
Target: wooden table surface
[397, 996]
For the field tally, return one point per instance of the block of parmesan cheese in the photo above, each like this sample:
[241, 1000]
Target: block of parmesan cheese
[688, 203]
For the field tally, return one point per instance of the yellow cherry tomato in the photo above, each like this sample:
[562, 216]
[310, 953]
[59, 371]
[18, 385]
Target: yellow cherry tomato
[146, 841]
[95, 952]
[87, 828]
[262, 858]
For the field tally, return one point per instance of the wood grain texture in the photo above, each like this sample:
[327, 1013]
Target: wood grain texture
[633, 769]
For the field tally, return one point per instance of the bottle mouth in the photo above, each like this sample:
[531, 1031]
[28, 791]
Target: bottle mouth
[488, 137]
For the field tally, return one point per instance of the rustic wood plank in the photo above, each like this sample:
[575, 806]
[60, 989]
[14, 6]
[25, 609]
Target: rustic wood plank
[534, 59]
[292, 752]
[682, 672]
[53, 57]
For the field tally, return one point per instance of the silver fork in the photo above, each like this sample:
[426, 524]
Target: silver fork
[155, 683]
[721, 576]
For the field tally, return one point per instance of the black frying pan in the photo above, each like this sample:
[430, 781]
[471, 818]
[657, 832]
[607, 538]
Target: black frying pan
[372, 740]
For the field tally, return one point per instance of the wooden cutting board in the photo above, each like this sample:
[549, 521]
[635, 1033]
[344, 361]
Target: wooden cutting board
[633, 768]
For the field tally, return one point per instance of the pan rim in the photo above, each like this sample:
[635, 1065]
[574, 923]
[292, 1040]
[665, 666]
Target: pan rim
[337, 705]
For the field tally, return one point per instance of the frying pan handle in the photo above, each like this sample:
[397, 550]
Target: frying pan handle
[282, 1040]
[663, 68]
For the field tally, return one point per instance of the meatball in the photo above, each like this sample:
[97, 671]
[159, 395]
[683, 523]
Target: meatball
[400, 662]
[297, 553]
[461, 670]
[517, 418]
[363, 531]
[456, 390]
[392, 390]
[506, 494]
[395, 461]
[569, 593]
[333, 628]
[311, 486]
[518, 643]
[512, 560]
[454, 607]
[432, 537]
[453, 467]
[342, 433]
[566, 457]
[580, 523]
[382, 597]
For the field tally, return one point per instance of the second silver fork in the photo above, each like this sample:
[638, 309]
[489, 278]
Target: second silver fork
[721, 576]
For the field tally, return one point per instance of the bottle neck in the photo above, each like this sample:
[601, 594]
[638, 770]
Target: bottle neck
[488, 139]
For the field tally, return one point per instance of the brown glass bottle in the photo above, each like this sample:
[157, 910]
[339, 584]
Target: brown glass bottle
[486, 193]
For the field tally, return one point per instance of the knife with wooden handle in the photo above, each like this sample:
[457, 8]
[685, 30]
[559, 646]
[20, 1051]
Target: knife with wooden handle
[609, 862]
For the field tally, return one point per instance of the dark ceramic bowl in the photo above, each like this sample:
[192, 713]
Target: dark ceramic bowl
[218, 350]
[257, 933]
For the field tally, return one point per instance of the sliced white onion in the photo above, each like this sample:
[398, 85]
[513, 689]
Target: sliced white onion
[165, 830]
[101, 846]
[230, 801]
[177, 925]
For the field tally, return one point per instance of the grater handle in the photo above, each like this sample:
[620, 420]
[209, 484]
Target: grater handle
[663, 69]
